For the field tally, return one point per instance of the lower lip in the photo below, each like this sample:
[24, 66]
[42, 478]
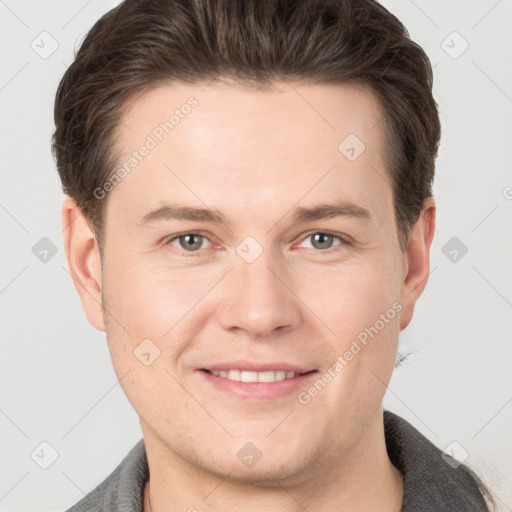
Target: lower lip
[263, 391]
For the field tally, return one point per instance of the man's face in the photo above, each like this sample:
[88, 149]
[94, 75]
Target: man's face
[260, 289]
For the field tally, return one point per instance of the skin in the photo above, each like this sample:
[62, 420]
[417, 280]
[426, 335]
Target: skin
[254, 155]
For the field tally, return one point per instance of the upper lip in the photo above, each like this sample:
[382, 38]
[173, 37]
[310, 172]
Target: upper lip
[250, 366]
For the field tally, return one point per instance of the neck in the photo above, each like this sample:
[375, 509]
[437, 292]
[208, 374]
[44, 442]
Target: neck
[362, 480]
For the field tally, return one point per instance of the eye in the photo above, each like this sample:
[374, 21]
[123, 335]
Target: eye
[322, 241]
[190, 242]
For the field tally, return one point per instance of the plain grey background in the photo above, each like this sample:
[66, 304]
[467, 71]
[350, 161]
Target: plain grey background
[57, 382]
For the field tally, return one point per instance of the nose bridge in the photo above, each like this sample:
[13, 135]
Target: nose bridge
[256, 299]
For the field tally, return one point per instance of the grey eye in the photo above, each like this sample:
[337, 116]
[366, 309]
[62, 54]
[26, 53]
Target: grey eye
[322, 240]
[190, 241]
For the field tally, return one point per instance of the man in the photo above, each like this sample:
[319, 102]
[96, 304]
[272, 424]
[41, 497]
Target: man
[249, 220]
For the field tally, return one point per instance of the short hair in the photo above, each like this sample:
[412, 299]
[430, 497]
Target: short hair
[141, 44]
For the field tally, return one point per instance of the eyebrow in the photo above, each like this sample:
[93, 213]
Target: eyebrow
[300, 215]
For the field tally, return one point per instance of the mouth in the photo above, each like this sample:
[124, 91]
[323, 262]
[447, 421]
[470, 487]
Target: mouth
[262, 383]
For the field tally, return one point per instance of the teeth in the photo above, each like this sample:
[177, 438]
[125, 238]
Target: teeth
[269, 376]
[280, 375]
[245, 376]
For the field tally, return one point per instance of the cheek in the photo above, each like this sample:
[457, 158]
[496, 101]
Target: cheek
[148, 304]
[361, 305]
[151, 330]
[349, 298]
[152, 300]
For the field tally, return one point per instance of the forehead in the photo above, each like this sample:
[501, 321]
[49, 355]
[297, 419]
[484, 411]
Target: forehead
[251, 144]
[327, 110]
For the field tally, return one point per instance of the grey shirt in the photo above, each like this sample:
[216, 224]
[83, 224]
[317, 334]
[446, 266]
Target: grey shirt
[431, 484]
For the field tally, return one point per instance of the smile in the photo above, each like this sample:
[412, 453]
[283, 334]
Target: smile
[247, 376]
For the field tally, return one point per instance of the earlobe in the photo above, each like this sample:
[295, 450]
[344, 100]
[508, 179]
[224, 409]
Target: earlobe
[82, 254]
[416, 265]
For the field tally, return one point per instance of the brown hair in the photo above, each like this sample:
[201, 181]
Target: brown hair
[142, 43]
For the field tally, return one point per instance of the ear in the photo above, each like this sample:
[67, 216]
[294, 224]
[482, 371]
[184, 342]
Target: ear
[416, 264]
[83, 256]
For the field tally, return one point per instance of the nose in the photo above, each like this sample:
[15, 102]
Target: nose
[257, 298]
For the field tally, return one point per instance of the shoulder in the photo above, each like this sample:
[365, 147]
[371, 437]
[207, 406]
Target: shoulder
[433, 480]
[123, 489]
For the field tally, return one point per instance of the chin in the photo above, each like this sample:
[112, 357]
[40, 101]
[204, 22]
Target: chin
[269, 474]
[260, 462]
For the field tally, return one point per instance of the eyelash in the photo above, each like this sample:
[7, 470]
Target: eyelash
[344, 242]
